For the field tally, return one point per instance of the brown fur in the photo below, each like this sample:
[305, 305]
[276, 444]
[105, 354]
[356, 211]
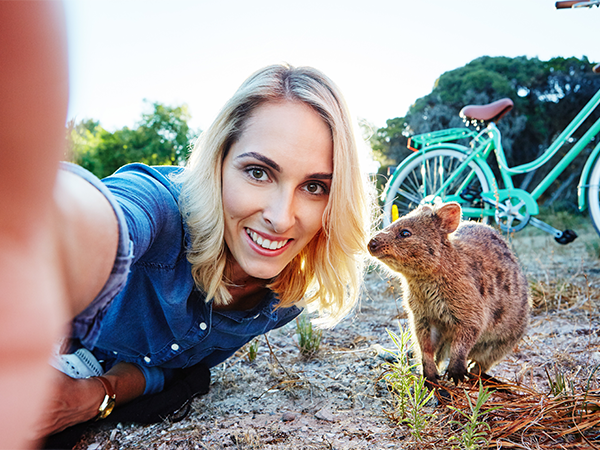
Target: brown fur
[464, 290]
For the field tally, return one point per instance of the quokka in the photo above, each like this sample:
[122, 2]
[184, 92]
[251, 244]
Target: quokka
[466, 295]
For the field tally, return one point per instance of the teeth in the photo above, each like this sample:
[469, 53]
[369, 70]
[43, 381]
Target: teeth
[265, 243]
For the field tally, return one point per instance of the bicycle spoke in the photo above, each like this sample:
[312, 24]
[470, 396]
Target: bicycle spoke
[410, 196]
[424, 176]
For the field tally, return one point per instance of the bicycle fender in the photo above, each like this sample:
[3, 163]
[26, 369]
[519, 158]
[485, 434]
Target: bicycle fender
[584, 179]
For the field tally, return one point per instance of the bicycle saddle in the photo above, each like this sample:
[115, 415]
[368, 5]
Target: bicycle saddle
[491, 112]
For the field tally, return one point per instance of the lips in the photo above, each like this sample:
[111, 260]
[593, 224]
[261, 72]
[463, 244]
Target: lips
[265, 243]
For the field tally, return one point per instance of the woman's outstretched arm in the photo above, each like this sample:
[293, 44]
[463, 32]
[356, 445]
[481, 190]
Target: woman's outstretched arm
[57, 234]
[34, 93]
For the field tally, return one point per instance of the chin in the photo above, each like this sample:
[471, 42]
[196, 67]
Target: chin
[264, 274]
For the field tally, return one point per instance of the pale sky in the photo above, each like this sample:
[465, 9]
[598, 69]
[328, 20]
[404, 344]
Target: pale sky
[383, 54]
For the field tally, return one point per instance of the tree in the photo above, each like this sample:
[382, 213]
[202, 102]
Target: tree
[162, 137]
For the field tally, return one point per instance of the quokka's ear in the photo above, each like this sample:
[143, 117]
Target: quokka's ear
[449, 214]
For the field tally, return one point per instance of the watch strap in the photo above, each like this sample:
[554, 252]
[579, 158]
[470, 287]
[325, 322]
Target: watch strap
[108, 402]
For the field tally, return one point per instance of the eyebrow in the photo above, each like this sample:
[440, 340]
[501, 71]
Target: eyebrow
[269, 162]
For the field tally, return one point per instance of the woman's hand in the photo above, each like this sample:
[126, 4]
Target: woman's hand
[72, 401]
[75, 401]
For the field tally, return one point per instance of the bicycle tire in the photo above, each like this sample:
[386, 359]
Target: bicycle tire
[594, 195]
[408, 190]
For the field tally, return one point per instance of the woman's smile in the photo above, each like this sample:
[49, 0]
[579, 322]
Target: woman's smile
[265, 243]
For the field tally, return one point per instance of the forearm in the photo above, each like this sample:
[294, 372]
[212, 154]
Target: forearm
[127, 381]
[77, 400]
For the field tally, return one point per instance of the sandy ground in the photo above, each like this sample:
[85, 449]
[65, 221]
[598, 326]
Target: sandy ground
[338, 400]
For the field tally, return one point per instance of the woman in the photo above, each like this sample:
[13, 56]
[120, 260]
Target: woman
[269, 215]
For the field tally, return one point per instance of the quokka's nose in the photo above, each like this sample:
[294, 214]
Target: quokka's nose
[374, 246]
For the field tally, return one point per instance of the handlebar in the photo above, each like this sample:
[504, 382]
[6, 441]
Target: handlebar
[577, 4]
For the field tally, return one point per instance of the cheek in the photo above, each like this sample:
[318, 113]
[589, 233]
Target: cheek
[313, 219]
[235, 198]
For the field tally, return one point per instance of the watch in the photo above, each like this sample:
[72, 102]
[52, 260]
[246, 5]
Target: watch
[109, 399]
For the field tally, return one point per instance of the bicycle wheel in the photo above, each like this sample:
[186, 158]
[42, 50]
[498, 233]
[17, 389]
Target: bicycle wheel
[425, 175]
[594, 195]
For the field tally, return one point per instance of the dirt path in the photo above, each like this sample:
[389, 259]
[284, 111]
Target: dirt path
[337, 399]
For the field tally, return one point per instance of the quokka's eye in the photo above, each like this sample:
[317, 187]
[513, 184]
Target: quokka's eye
[405, 233]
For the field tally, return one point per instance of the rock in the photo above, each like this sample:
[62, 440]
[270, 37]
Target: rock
[288, 417]
[325, 414]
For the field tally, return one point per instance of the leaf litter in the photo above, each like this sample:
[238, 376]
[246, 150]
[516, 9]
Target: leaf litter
[547, 397]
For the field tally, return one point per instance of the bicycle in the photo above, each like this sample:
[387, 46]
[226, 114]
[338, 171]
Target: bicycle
[443, 169]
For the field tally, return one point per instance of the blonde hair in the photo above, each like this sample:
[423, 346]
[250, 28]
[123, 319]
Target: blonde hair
[327, 274]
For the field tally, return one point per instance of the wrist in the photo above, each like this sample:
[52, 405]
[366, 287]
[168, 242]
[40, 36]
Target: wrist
[109, 399]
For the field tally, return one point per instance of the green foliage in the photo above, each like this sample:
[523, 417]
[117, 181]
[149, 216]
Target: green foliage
[559, 383]
[389, 143]
[417, 419]
[253, 349]
[162, 137]
[409, 393]
[309, 339]
[474, 431]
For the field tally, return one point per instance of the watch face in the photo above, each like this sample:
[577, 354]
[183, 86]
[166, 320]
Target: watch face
[109, 408]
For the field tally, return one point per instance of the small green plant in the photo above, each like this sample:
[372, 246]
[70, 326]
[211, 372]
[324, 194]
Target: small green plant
[309, 339]
[407, 387]
[253, 349]
[558, 384]
[401, 373]
[417, 418]
[474, 431]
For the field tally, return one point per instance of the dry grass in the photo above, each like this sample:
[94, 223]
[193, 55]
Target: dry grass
[526, 418]
[548, 397]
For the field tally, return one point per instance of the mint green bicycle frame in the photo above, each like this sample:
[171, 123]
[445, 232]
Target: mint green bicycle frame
[489, 140]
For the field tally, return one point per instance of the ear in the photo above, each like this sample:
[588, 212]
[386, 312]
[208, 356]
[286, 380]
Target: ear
[449, 214]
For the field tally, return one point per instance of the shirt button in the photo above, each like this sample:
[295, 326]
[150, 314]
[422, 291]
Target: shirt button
[203, 326]
[147, 359]
[174, 347]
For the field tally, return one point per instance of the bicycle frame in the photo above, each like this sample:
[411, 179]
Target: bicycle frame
[489, 140]
[507, 172]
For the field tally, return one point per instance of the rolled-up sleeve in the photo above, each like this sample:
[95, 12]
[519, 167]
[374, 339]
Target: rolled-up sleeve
[155, 379]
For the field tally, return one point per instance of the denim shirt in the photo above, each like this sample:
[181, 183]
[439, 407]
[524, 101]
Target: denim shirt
[160, 320]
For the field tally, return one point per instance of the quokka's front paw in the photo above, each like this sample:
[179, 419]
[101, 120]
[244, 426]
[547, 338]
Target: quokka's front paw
[457, 371]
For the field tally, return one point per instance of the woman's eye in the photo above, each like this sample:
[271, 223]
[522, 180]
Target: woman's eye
[405, 233]
[316, 189]
[258, 174]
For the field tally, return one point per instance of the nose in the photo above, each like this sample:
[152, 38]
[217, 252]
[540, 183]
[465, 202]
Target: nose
[374, 246]
[280, 211]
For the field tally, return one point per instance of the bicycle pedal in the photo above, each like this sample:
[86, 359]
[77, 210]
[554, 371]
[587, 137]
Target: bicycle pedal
[566, 237]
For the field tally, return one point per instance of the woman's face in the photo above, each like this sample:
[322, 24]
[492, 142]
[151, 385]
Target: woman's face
[276, 182]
